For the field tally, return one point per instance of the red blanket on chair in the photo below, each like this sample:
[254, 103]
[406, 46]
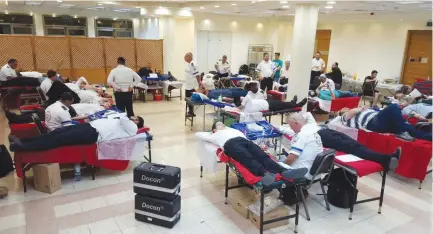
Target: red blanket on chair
[346, 102]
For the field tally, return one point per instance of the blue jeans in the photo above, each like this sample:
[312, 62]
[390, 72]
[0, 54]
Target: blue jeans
[390, 120]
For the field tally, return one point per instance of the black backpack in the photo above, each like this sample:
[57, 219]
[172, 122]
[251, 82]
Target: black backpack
[341, 188]
[243, 70]
[6, 164]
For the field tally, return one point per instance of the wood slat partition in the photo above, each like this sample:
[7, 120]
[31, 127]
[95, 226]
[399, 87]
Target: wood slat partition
[92, 58]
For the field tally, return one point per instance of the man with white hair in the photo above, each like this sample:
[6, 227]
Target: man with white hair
[192, 79]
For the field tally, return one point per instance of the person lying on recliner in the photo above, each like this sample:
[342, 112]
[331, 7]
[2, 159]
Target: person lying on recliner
[237, 146]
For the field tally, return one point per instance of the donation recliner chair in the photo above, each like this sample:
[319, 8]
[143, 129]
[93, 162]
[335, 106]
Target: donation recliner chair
[323, 164]
[41, 128]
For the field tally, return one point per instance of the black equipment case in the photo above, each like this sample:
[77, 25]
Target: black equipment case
[157, 211]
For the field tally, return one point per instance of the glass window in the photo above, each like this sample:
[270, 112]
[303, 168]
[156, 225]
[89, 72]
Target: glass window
[16, 19]
[22, 30]
[65, 20]
[124, 34]
[105, 33]
[5, 29]
[76, 32]
[56, 32]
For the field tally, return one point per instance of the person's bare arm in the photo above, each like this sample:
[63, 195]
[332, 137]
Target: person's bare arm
[80, 117]
[332, 93]
[198, 79]
[291, 158]
[351, 113]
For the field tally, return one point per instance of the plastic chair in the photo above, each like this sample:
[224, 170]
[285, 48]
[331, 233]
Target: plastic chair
[38, 122]
[323, 164]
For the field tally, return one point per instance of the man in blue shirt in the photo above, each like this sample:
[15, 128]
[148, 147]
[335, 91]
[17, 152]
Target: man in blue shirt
[278, 65]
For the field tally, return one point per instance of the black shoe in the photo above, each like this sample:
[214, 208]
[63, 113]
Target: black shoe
[302, 103]
[15, 140]
[405, 137]
[190, 114]
[295, 99]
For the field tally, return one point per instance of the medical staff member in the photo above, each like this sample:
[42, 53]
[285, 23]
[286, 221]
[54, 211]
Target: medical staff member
[223, 67]
[317, 67]
[57, 114]
[278, 65]
[47, 83]
[266, 69]
[9, 76]
[123, 79]
[192, 80]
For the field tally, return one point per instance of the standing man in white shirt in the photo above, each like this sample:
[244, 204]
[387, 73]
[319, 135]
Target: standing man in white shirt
[317, 67]
[192, 80]
[266, 70]
[123, 79]
[9, 77]
[47, 83]
[223, 67]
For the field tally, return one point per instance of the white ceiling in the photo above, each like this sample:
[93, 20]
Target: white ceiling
[257, 8]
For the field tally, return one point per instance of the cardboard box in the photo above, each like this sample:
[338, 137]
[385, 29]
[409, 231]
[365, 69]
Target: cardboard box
[276, 213]
[47, 177]
[241, 198]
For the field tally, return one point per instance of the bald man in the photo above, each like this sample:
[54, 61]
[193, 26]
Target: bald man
[192, 80]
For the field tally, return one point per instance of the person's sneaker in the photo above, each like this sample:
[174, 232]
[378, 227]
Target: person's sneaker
[3, 191]
[294, 174]
[405, 137]
[393, 161]
[268, 179]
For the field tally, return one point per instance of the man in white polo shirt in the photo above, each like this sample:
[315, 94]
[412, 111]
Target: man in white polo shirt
[317, 67]
[123, 79]
[57, 114]
[266, 70]
[223, 67]
[9, 76]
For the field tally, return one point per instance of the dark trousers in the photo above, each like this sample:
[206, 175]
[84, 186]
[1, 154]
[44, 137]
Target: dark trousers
[390, 120]
[276, 105]
[266, 83]
[23, 118]
[222, 74]
[313, 76]
[80, 134]
[188, 93]
[124, 102]
[251, 156]
[21, 81]
[342, 142]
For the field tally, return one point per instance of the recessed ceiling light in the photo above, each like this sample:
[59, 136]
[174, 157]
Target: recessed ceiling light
[233, 4]
[331, 2]
[91, 8]
[329, 7]
[6, 12]
[31, 13]
[59, 1]
[216, 6]
[99, 4]
[54, 14]
[32, 3]
[65, 5]
[409, 2]
[110, 3]
[143, 11]
[115, 18]
[201, 8]
[253, 2]
[285, 6]
[283, 2]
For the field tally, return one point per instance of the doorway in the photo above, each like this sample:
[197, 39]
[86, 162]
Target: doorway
[211, 47]
[418, 57]
[323, 40]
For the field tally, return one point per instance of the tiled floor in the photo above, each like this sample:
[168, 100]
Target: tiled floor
[105, 206]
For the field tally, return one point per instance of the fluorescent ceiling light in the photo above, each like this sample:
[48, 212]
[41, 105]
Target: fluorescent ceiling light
[233, 4]
[99, 7]
[99, 4]
[283, 2]
[65, 5]
[92, 8]
[31, 13]
[329, 7]
[143, 11]
[75, 16]
[54, 14]
[6, 12]
[409, 2]
[285, 6]
[331, 2]
[162, 11]
[216, 6]
[201, 8]
[115, 18]
[110, 3]
[59, 1]
[32, 3]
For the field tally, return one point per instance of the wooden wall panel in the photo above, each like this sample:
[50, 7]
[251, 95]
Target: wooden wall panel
[17, 47]
[52, 53]
[115, 48]
[149, 51]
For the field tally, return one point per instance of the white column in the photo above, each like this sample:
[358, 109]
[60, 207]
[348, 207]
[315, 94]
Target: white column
[91, 32]
[304, 36]
[39, 25]
[136, 26]
[166, 32]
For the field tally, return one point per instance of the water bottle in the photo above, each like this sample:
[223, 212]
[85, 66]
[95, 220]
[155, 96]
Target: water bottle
[77, 172]
[220, 98]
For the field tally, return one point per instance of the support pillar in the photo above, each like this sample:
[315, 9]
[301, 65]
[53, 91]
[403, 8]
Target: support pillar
[304, 36]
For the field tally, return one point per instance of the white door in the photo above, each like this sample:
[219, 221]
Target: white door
[202, 50]
[211, 47]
